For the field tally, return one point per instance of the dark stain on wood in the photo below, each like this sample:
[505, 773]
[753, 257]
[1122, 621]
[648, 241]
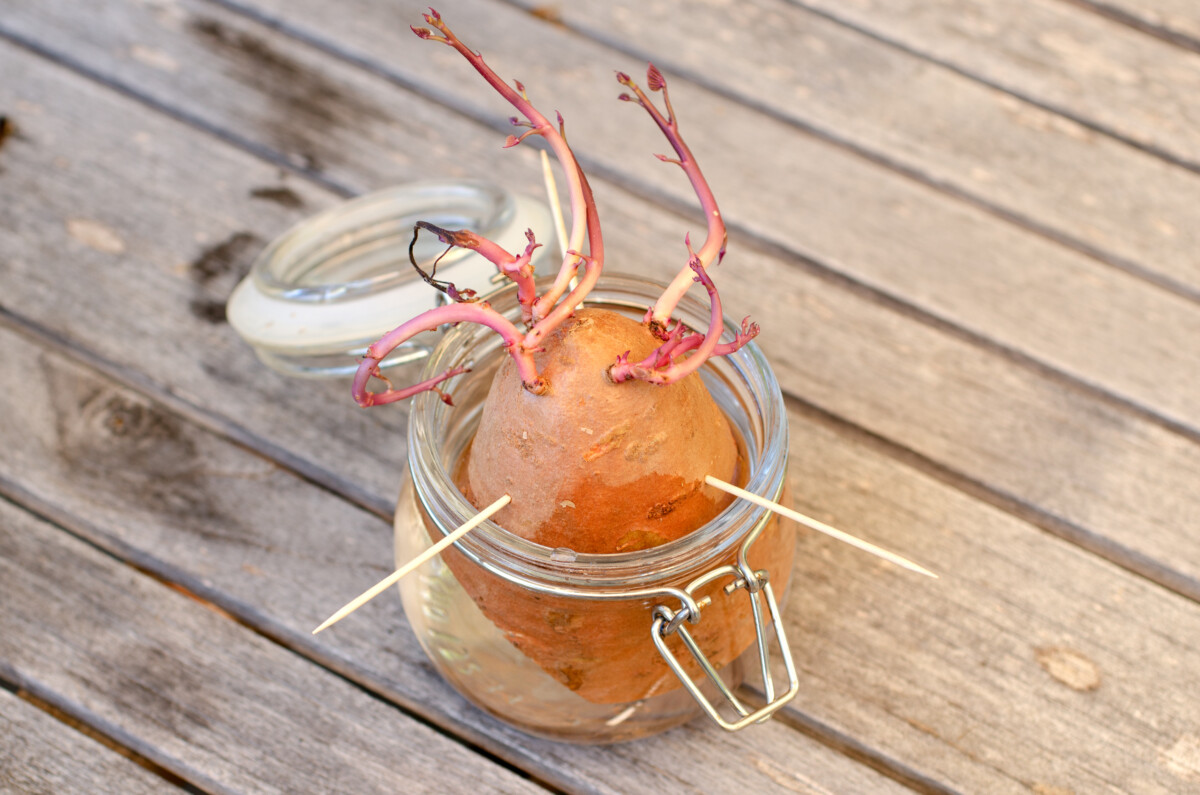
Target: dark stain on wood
[281, 195]
[217, 270]
[302, 107]
[164, 688]
[103, 430]
[208, 310]
[7, 130]
[134, 449]
[222, 258]
[231, 255]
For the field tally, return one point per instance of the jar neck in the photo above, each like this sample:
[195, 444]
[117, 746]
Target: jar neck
[742, 384]
[351, 249]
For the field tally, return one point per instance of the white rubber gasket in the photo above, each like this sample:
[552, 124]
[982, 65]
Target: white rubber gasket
[300, 324]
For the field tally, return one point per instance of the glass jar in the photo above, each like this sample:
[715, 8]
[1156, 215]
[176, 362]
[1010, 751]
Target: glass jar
[595, 647]
[323, 291]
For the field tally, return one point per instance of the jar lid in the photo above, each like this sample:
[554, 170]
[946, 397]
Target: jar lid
[322, 292]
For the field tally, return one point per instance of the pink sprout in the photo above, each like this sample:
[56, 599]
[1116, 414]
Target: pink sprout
[682, 351]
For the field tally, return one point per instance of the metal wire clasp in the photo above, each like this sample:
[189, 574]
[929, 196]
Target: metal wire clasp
[668, 622]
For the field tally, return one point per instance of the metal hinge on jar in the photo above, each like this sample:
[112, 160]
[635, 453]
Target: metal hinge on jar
[668, 622]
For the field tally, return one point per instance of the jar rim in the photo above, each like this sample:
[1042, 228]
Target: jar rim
[745, 372]
[285, 267]
[321, 292]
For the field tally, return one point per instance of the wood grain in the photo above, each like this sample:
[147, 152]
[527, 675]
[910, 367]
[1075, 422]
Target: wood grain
[1098, 71]
[202, 696]
[898, 663]
[280, 554]
[934, 124]
[40, 755]
[1033, 664]
[157, 296]
[1033, 660]
[1176, 21]
[947, 260]
[1079, 465]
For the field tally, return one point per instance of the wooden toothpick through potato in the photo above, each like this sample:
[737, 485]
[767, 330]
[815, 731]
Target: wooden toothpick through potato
[821, 527]
[560, 226]
[398, 574]
[487, 512]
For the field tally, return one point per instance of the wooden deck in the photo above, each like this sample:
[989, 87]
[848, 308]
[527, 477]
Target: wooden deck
[970, 230]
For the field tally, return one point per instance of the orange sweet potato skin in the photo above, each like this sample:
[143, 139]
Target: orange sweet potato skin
[599, 467]
[603, 651]
[595, 466]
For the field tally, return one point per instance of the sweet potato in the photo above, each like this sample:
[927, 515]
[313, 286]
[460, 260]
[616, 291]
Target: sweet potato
[597, 425]
[596, 466]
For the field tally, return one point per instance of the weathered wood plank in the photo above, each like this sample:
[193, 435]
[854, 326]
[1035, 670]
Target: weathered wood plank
[202, 696]
[911, 669]
[1098, 71]
[1036, 662]
[1041, 445]
[168, 261]
[1174, 20]
[973, 745]
[949, 260]
[43, 756]
[282, 554]
[1103, 197]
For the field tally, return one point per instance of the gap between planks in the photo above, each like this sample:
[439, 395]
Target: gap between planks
[75, 720]
[352, 493]
[879, 158]
[1128, 19]
[231, 609]
[853, 749]
[1049, 107]
[262, 152]
[751, 239]
[1135, 563]
[1114, 553]
[747, 237]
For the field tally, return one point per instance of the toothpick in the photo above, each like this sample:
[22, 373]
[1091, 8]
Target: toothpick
[808, 521]
[399, 573]
[560, 226]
